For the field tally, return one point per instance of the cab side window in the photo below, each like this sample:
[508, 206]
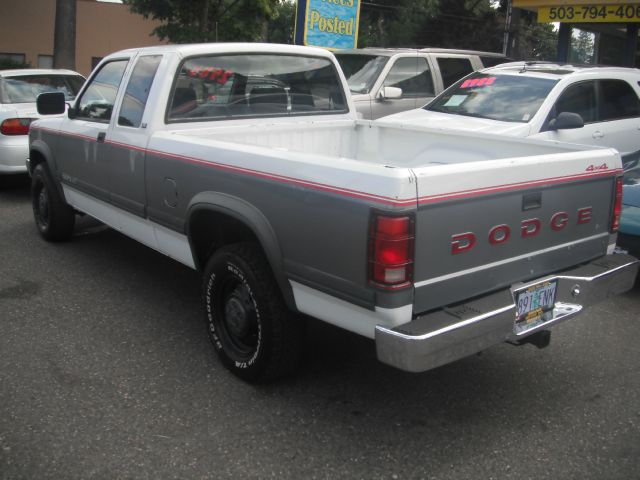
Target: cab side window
[137, 92]
[96, 103]
[453, 69]
[618, 100]
[412, 75]
[579, 98]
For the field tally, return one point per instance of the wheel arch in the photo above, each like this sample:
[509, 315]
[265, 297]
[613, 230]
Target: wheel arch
[237, 220]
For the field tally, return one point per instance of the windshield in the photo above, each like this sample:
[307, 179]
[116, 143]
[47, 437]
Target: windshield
[361, 71]
[26, 88]
[508, 98]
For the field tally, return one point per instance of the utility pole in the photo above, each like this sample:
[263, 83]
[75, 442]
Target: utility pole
[511, 43]
[64, 37]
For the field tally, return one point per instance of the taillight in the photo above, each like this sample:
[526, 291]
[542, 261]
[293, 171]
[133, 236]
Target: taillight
[15, 126]
[617, 206]
[391, 240]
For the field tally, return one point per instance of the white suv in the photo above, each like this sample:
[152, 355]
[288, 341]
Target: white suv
[18, 92]
[567, 103]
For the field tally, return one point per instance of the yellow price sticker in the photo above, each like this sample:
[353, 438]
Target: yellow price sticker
[624, 13]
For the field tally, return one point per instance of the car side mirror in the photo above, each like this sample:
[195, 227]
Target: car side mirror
[566, 121]
[52, 103]
[389, 93]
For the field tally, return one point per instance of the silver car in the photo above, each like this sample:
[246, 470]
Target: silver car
[18, 92]
[384, 81]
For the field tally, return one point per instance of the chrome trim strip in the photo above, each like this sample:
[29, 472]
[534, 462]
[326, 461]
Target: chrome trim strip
[487, 266]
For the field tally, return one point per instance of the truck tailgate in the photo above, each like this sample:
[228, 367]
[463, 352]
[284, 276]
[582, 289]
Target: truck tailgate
[486, 225]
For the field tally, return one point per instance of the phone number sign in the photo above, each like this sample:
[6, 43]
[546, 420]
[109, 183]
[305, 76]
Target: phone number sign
[331, 24]
[596, 13]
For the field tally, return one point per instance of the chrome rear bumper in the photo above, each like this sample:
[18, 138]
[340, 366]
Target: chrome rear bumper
[455, 332]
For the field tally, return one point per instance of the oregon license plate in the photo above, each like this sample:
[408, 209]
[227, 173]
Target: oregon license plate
[535, 305]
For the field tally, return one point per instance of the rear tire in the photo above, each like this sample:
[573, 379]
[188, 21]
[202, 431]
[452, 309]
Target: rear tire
[253, 332]
[54, 218]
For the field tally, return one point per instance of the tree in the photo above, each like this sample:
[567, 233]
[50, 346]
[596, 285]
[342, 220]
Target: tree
[280, 27]
[187, 21]
[64, 37]
[582, 47]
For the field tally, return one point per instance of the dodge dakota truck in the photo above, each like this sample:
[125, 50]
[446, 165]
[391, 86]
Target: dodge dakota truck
[248, 163]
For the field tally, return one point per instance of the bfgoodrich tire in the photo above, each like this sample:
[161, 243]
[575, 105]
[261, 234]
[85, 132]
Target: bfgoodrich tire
[54, 218]
[254, 333]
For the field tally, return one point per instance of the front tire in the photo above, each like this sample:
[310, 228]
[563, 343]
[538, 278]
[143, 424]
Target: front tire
[253, 332]
[54, 218]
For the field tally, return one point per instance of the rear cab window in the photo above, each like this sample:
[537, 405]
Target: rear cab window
[26, 88]
[253, 85]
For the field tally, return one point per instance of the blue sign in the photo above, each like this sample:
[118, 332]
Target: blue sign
[331, 24]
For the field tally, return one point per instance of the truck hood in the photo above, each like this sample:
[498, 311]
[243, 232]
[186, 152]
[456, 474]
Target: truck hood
[425, 118]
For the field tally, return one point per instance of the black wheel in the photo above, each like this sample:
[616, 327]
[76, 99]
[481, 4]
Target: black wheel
[254, 333]
[54, 218]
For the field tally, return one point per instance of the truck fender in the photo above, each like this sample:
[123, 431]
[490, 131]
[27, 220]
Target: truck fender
[40, 149]
[253, 219]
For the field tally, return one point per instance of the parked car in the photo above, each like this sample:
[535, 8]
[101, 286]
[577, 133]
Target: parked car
[389, 80]
[567, 103]
[18, 92]
[629, 236]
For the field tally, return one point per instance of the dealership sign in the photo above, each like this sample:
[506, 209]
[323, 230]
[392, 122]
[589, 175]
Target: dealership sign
[328, 23]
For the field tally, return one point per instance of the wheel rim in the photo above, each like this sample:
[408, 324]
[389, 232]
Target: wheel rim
[239, 319]
[42, 207]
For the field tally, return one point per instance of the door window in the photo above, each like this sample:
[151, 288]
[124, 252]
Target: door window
[412, 75]
[135, 97]
[618, 100]
[453, 69]
[579, 98]
[96, 103]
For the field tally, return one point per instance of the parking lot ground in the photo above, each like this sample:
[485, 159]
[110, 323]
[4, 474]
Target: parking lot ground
[106, 372]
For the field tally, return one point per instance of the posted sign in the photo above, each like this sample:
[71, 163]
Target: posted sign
[331, 24]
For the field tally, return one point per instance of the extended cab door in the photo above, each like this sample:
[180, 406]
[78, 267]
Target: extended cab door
[128, 136]
[81, 160]
[410, 73]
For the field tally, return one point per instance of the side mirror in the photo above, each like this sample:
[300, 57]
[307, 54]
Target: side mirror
[52, 103]
[566, 121]
[389, 93]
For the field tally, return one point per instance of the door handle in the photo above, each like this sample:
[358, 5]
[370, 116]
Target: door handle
[597, 134]
[101, 137]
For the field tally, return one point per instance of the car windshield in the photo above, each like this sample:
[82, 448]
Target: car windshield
[508, 98]
[361, 70]
[26, 88]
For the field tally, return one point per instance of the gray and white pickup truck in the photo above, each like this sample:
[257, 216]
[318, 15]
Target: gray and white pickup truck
[248, 163]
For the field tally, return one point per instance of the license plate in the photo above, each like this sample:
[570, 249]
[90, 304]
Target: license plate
[535, 305]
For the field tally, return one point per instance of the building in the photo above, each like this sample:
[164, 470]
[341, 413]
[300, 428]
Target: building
[614, 23]
[26, 31]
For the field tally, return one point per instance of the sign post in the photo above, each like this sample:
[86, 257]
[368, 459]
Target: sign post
[331, 24]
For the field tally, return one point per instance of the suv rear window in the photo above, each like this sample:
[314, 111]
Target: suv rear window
[507, 98]
[249, 85]
[26, 88]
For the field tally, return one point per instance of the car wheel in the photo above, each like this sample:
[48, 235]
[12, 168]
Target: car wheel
[54, 218]
[254, 333]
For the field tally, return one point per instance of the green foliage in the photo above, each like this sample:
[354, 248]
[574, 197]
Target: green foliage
[282, 24]
[190, 21]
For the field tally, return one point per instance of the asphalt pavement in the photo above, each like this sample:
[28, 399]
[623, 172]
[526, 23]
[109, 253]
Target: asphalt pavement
[106, 372]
